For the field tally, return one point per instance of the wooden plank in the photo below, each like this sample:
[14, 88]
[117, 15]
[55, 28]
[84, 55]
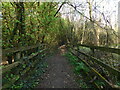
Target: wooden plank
[11, 66]
[7, 85]
[97, 73]
[101, 48]
[98, 61]
[19, 49]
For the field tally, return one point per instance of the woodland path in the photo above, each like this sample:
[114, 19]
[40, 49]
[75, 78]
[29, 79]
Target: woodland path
[59, 73]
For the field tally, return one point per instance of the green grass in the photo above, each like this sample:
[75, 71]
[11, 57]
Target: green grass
[79, 69]
[78, 66]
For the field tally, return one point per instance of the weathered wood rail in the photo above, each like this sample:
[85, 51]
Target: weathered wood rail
[28, 57]
[20, 49]
[19, 52]
[101, 48]
[112, 71]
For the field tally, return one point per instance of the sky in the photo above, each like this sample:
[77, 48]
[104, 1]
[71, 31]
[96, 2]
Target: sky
[108, 7]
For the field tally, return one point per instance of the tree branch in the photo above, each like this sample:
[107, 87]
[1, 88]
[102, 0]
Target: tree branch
[59, 8]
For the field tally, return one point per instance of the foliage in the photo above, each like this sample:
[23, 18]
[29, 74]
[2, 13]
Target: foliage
[83, 84]
[79, 66]
[40, 24]
[71, 58]
[30, 23]
[31, 81]
[85, 49]
[118, 83]
[99, 83]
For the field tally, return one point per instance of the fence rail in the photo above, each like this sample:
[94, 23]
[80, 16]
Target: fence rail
[98, 61]
[101, 48]
[21, 61]
[19, 52]
[111, 70]
[20, 49]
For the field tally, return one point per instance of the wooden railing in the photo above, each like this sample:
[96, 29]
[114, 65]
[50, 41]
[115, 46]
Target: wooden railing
[20, 49]
[101, 48]
[19, 52]
[112, 71]
[28, 55]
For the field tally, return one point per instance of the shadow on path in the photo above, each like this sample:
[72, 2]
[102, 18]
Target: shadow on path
[59, 74]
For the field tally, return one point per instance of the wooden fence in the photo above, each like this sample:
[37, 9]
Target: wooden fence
[112, 71]
[22, 56]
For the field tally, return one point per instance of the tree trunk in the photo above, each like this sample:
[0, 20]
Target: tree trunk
[96, 42]
[20, 20]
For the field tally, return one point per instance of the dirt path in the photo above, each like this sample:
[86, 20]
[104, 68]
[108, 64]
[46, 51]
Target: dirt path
[59, 74]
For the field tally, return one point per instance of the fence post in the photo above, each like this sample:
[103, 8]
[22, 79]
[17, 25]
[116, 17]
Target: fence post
[9, 59]
[77, 50]
[17, 56]
[93, 51]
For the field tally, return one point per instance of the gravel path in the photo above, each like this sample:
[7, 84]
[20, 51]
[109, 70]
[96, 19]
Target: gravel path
[59, 74]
